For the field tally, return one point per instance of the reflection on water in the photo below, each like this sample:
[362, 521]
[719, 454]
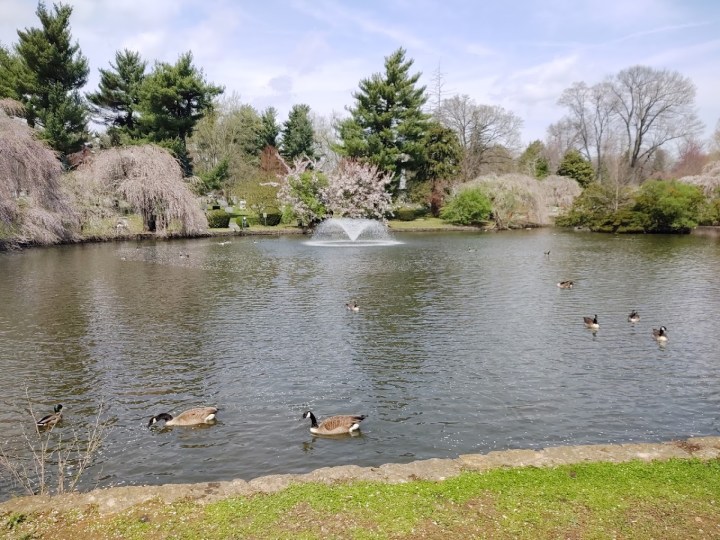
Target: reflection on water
[464, 343]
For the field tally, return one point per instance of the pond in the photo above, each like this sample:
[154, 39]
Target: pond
[463, 344]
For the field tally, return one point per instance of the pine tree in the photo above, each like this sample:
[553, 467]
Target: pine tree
[297, 135]
[387, 125]
[52, 70]
[10, 67]
[269, 130]
[117, 99]
[173, 98]
[576, 166]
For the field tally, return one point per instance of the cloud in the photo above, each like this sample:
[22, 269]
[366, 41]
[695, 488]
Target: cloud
[519, 55]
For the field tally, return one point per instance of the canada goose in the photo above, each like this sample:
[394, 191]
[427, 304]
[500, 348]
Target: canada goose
[51, 419]
[660, 334]
[567, 284]
[634, 316]
[591, 323]
[353, 307]
[547, 252]
[334, 425]
[191, 417]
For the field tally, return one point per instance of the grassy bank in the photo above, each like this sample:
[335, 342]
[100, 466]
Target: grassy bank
[671, 499]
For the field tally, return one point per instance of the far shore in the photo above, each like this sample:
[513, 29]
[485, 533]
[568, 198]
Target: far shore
[416, 226]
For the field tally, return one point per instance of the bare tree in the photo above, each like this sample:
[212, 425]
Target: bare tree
[438, 90]
[561, 137]
[326, 138]
[715, 142]
[654, 107]
[692, 158]
[482, 131]
[591, 114]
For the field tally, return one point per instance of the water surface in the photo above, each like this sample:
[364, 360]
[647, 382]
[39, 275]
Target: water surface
[463, 344]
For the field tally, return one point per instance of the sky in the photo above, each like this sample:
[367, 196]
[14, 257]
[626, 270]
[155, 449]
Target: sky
[519, 55]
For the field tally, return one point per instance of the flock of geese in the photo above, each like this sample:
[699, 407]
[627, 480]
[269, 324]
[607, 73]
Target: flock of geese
[660, 334]
[333, 425]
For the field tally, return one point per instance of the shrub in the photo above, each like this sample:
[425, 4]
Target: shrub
[602, 208]
[517, 200]
[405, 214]
[218, 219]
[669, 206]
[468, 207]
[575, 166]
[273, 217]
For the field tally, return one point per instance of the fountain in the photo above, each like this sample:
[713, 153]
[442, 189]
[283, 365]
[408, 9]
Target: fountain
[351, 232]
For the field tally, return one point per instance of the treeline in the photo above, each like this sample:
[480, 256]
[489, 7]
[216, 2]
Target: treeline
[421, 146]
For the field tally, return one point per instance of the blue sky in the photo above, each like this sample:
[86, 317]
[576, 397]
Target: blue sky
[520, 54]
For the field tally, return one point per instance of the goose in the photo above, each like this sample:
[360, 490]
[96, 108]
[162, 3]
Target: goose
[50, 420]
[567, 284]
[660, 334]
[547, 253]
[634, 316]
[591, 323]
[191, 417]
[353, 307]
[334, 425]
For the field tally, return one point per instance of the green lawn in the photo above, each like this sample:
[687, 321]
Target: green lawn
[676, 499]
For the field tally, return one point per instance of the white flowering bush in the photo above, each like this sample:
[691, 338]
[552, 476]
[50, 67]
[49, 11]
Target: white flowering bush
[301, 192]
[357, 190]
[350, 189]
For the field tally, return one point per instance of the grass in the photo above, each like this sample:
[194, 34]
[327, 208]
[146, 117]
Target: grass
[427, 223]
[671, 500]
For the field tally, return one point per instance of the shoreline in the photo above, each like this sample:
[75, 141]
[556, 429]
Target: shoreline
[708, 231]
[118, 499]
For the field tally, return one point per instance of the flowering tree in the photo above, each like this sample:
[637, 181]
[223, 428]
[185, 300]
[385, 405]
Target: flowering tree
[357, 190]
[351, 189]
[301, 192]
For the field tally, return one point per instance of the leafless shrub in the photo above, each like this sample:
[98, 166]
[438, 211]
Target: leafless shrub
[518, 200]
[560, 191]
[33, 206]
[708, 180]
[150, 180]
[71, 456]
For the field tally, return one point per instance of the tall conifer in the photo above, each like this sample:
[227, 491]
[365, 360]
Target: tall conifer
[387, 125]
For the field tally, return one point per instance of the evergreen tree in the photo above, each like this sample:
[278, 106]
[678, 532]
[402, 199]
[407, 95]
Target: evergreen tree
[173, 98]
[117, 99]
[269, 130]
[387, 125]
[297, 135]
[576, 166]
[10, 67]
[443, 154]
[533, 161]
[52, 71]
